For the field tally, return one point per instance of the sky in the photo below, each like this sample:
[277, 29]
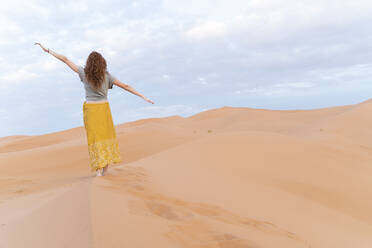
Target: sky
[186, 56]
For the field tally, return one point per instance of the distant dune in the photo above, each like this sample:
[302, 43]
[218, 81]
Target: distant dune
[230, 177]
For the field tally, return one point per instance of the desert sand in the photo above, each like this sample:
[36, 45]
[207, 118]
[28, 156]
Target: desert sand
[232, 177]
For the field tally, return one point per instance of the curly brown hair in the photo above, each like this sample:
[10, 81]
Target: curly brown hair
[95, 69]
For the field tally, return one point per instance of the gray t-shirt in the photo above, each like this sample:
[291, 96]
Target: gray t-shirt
[90, 93]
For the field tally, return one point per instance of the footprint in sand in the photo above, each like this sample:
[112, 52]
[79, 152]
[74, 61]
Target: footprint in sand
[134, 180]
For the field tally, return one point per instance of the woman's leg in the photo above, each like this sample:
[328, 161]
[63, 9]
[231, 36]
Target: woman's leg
[105, 169]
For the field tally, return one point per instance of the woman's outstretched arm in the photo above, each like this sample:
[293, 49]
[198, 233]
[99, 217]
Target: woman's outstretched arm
[129, 88]
[63, 58]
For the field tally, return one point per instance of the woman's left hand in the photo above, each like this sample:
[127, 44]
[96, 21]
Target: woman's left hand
[45, 50]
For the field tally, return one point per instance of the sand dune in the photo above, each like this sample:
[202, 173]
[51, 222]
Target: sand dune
[228, 177]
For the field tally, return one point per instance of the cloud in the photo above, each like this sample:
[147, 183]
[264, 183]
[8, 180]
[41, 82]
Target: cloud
[18, 75]
[278, 89]
[207, 30]
[264, 91]
[186, 56]
[294, 85]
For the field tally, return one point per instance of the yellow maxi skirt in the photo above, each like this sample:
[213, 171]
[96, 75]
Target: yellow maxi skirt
[103, 146]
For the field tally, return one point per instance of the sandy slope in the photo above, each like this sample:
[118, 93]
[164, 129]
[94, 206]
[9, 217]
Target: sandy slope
[228, 177]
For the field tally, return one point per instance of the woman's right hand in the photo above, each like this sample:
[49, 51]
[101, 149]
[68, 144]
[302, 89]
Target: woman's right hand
[45, 50]
[148, 100]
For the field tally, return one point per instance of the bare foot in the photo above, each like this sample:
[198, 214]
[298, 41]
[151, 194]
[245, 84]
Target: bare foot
[99, 172]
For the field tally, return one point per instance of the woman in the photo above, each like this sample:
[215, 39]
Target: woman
[103, 146]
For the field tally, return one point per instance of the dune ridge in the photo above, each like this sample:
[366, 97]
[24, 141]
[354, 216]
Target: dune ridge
[230, 177]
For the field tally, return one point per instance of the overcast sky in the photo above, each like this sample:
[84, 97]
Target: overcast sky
[186, 56]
